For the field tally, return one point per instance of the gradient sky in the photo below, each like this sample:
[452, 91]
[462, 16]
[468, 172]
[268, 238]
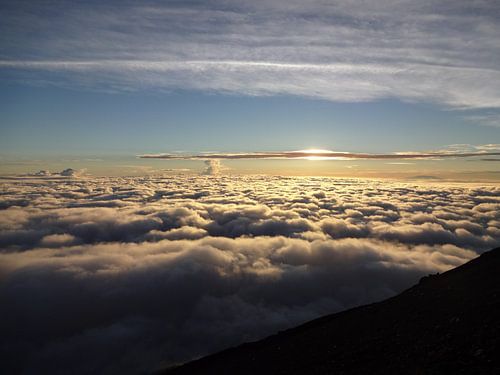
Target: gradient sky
[123, 78]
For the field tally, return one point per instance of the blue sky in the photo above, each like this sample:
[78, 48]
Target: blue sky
[125, 78]
[53, 120]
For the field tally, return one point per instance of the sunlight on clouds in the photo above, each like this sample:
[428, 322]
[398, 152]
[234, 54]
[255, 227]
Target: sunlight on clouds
[317, 154]
[187, 265]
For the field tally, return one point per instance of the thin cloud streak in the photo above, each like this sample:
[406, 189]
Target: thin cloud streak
[323, 155]
[152, 65]
[191, 64]
[455, 86]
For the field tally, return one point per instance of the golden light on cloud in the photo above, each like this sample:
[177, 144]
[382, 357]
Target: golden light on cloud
[321, 154]
[318, 154]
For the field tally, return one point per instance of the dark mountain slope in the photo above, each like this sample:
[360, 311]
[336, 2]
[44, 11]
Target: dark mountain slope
[447, 324]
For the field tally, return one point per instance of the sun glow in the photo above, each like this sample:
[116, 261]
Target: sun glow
[319, 154]
[315, 151]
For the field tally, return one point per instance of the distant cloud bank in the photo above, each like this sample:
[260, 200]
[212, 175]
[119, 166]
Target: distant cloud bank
[142, 272]
[454, 151]
[68, 172]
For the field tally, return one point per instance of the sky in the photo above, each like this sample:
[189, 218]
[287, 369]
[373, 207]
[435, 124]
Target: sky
[89, 80]
[179, 177]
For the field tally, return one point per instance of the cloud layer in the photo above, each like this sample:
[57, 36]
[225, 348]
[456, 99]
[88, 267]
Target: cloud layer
[444, 52]
[138, 273]
[453, 151]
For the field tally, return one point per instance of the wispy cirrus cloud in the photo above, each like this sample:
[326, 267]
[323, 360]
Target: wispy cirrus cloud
[488, 119]
[443, 52]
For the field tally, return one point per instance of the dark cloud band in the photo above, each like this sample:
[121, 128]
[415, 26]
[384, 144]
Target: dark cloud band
[321, 155]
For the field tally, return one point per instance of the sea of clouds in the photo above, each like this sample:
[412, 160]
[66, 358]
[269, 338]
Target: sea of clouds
[132, 274]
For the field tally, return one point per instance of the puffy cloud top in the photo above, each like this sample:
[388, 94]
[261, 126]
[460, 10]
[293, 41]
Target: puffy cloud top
[138, 273]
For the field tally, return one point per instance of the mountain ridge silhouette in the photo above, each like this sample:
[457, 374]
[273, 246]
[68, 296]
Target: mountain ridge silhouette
[446, 324]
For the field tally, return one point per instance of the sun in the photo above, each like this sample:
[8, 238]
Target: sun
[320, 154]
[315, 154]
[315, 151]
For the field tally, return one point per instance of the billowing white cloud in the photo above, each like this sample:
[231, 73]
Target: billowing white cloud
[213, 167]
[138, 272]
